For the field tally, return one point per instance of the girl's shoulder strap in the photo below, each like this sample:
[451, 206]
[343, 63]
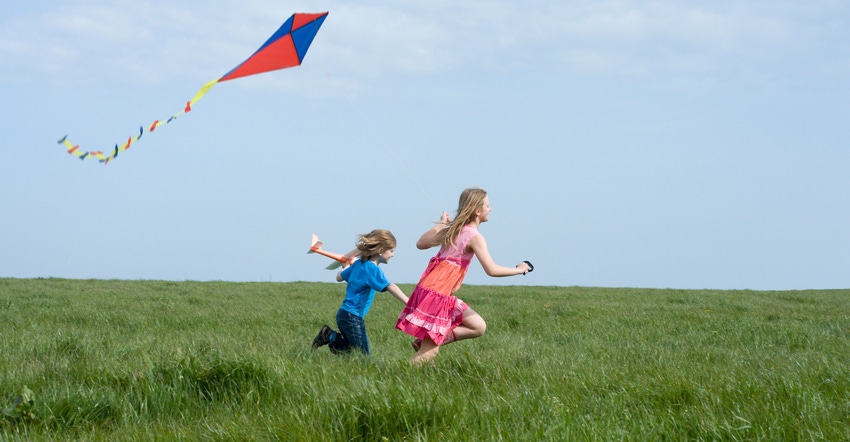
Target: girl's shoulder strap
[466, 234]
[468, 231]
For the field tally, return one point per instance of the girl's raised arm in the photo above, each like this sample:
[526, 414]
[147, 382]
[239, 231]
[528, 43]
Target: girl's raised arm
[479, 245]
[434, 236]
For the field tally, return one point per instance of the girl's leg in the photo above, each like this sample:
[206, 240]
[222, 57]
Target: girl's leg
[427, 352]
[472, 326]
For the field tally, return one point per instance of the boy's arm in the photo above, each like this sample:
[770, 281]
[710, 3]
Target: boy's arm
[339, 277]
[395, 291]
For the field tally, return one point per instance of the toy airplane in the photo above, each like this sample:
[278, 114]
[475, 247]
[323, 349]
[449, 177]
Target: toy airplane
[339, 259]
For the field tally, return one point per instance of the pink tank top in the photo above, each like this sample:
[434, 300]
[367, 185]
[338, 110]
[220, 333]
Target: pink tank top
[458, 254]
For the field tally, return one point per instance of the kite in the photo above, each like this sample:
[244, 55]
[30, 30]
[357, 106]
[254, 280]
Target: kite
[284, 49]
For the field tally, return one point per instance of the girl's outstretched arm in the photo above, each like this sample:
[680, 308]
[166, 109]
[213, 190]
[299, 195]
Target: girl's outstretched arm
[479, 245]
[434, 236]
[395, 291]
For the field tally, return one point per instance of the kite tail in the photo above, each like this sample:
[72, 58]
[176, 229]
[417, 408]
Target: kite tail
[285, 48]
[74, 149]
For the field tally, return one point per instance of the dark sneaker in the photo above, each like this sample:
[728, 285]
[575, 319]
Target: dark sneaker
[323, 338]
[416, 344]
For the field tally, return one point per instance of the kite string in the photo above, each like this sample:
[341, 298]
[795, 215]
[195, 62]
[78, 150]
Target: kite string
[381, 139]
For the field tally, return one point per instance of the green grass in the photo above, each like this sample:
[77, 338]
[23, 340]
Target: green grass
[156, 360]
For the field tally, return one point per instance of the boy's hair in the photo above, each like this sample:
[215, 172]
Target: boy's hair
[470, 201]
[374, 243]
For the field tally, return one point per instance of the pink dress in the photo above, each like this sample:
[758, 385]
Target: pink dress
[432, 309]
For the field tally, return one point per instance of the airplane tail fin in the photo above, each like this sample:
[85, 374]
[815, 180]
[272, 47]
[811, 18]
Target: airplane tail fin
[338, 260]
[315, 244]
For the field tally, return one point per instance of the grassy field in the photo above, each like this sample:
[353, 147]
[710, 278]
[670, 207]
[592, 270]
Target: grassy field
[153, 360]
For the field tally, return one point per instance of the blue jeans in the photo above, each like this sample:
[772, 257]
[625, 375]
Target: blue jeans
[352, 334]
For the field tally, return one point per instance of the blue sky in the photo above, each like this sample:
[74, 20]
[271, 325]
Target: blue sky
[662, 144]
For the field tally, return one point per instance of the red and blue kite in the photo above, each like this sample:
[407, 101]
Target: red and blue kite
[284, 49]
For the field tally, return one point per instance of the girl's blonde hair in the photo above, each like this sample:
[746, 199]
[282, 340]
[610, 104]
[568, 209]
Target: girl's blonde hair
[470, 201]
[374, 243]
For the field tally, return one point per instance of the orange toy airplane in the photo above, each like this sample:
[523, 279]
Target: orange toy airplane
[339, 259]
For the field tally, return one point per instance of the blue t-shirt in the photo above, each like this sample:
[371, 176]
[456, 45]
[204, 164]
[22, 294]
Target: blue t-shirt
[364, 279]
